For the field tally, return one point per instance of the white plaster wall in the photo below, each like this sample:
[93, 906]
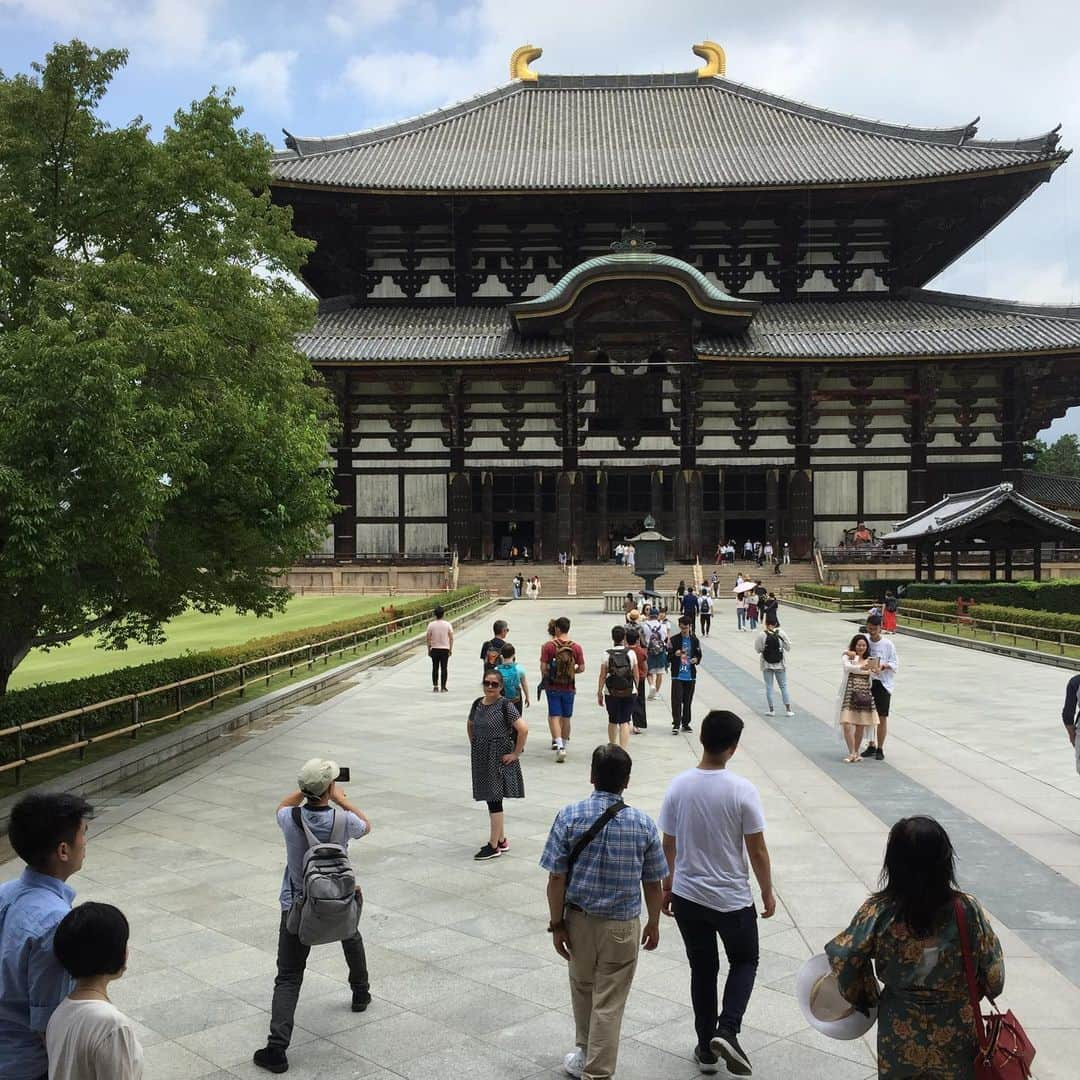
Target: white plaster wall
[836, 493]
[424, 539]
[829, 533]
[377, 496]
[885, 492]
[376, 539]
[327, 546]
[425, 495]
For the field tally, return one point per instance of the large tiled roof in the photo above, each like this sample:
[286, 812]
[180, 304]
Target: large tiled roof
[918, 323]
[970, 508]
[641, 131]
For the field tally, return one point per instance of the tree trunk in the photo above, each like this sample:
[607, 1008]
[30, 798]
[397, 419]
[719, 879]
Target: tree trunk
[13, 650]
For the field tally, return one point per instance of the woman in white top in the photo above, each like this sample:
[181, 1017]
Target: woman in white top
[856, 712]
[88, 1038]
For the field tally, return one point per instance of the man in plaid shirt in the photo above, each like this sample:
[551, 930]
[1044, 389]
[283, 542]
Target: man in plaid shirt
[595, 922]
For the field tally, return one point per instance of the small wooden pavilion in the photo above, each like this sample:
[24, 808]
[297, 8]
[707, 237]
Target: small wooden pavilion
[992, 520]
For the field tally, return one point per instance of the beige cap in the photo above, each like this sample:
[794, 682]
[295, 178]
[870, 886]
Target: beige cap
[316, 776]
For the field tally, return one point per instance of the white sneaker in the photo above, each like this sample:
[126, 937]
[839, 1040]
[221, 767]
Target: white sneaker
[560, 757]
[574, 1063]
[772, 712]
[652, 694]
[789, 712]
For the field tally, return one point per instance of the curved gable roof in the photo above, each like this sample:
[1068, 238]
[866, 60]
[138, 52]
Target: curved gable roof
[642, 131]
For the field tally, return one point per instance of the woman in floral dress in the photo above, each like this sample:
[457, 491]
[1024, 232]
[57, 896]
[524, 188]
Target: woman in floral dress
[908, 932]
[856, 711]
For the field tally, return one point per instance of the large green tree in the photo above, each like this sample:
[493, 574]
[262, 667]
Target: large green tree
[1059, 458]
[162, 442]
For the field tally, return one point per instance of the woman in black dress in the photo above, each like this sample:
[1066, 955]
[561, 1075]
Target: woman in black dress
[497, 736]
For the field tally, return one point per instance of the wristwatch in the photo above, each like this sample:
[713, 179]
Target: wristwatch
[554, 927]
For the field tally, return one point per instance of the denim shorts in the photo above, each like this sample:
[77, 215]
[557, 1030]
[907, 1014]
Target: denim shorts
[560, 702]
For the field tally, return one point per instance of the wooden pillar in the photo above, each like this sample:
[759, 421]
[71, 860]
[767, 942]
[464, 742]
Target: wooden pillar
[569, 421]
[568, 494]
[602, 525]
[1008, 564]
[772, 506]
[922, 391]
[688, 391]
[954, 564]
[1013, 391]
[688, 513]
[931, 572]
[656, 496]
[993, 564]
[1036, 561]
[487, 516]
[345, 478]
[538, 516]
[918, 562]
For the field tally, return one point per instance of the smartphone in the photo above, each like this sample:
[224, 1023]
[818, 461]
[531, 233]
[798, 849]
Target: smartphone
[343, 776]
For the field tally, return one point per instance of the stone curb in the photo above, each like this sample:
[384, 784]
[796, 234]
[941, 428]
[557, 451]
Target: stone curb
[155, 751]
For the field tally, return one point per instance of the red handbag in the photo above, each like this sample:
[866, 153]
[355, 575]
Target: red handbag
[1004, 1052]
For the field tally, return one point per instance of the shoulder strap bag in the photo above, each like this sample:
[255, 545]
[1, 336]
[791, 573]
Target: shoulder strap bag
[590, 834]
[1004, 1052]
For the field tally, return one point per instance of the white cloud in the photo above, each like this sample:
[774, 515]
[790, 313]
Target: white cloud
[348, 17]
[266, 76]
[407, 80]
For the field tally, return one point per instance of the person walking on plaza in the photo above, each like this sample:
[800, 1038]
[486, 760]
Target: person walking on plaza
[787, 553]
[888, 616]
[491, 650]
[319, 809]
[88, 1037]
[440, 647]
[48, 832]
[497, 737]
[752, 610]
[518, 584]
[1068, 714]
[561, 660]
[714, 584]
[705, 611]
[684, 655]
[856, 711]
[617, 687]
[772, 645]
[633, 643]
[601, 855]
[515, 685]
[690, 605]
[710, 819]
[656, 645]
[882, 677]
[911, 935]
[771, 611]
[740, 611]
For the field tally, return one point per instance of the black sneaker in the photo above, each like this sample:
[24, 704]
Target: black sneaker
[674, 731]
[726, 1045]
[879, 754]
[870, 751]
[706, 1060]
[688, 729]
[271, 1059]
[361, 999]
[487, 852]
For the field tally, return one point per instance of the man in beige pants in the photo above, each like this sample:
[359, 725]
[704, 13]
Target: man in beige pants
[600, 856]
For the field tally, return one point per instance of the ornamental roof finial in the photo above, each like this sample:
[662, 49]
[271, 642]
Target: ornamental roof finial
[633, 239]
[520, 60]
[715, 60]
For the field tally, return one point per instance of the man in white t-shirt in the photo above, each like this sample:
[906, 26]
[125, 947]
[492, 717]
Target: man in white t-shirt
[711, 819]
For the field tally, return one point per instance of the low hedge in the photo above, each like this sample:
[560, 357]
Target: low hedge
[1043, 625]
[819, 590]
[48, 699]
[1060, 595]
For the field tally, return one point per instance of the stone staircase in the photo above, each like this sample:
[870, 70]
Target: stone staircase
[595, 579]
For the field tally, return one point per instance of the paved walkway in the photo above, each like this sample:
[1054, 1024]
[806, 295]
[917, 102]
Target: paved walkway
[464, 978]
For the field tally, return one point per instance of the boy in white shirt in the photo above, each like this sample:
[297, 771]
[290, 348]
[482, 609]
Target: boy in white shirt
[89, 1038]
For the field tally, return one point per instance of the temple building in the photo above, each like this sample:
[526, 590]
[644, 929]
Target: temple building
[573, 301]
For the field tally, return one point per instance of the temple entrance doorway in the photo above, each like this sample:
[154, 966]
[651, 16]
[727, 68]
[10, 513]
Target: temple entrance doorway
[520, 534]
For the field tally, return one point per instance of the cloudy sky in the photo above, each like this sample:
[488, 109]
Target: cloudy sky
[342, 65]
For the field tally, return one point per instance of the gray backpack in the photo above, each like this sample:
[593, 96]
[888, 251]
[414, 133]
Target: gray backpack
[329, 909]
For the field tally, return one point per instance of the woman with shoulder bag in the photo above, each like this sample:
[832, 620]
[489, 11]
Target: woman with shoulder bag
[909, 932]
[497, 737]
[856, 711]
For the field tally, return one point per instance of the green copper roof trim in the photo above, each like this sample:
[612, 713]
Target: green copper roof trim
[634, 264]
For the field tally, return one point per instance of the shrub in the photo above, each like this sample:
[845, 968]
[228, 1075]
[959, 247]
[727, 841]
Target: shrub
[1043, 625]
[49, 699]
[1059, 595]
[819, 590]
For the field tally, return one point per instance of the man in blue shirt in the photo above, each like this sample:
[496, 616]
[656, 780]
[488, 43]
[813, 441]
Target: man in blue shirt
[684, 655]
[48, 832]
[595, 921]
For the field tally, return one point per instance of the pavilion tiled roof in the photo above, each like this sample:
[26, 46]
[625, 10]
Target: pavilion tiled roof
[917, 323]
[628, 132]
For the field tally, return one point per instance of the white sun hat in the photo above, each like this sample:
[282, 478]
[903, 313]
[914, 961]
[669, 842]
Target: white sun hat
[819, 998]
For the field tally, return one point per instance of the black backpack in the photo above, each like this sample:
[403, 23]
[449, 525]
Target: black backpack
[620, 680]
[773, 652]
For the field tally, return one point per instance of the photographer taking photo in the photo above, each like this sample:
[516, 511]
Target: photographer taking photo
[307, 819]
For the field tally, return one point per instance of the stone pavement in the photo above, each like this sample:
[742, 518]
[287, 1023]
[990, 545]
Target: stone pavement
[464, 978]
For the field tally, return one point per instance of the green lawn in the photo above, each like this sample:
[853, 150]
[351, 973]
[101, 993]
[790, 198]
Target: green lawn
[189, 633]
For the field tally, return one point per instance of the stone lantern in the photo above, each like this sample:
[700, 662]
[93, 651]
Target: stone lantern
[649, 555]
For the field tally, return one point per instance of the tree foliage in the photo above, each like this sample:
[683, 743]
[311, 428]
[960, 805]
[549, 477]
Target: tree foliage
[162, 442]
[1060, 458]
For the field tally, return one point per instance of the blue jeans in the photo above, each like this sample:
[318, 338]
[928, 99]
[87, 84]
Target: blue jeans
[740, 615]
[781, 677]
